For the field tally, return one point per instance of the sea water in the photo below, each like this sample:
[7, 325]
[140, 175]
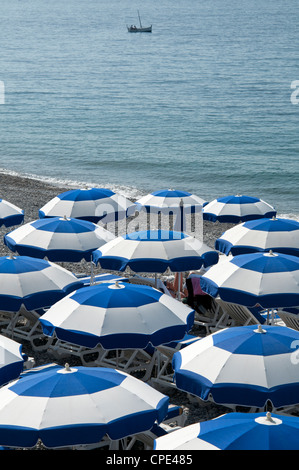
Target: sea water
[206, 103]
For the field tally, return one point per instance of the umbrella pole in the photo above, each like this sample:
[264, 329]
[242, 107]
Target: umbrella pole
[180, 221]
[179, 286]
[156, 280]
[116, 224]
[270, 316]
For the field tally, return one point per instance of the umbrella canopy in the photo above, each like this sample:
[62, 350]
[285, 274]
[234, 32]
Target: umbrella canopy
[69, 406]
[235, 209]
[11, 360]
[118, 316]
[91, 204]
[33, 283]
[169, 199]
[270, 280]
[236, 431]
[155, 251]
[247, 365]
[279, 235]
[58, 239]
[10, 214]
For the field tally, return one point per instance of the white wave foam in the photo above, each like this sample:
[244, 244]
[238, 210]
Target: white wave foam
[129, 192]
[126, 191]
[289, 216]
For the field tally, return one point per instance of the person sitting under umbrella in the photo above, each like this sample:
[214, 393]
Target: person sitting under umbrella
[196, 296]
[173, 286]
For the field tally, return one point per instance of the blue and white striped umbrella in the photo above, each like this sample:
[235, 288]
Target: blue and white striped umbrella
[247, 366]
[169, 199]
[118, 316]
[155, 251]
[270, 280]
[279, 235]
[10, 214]
[91, 204]
[58, 239]
[235, 209]
[11, 360]
[236, 431]
[71, 406]
[33, 283]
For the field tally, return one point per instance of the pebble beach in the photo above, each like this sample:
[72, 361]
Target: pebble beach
[30, 195]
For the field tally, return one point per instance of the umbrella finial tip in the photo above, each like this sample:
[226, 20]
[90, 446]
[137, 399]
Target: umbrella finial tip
[269, 417]
[260, 329]
[67, 366]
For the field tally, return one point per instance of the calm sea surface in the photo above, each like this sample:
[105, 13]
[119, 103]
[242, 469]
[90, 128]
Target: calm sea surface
[202, 104]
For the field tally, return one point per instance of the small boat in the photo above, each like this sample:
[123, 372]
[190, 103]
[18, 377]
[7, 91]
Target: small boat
[141, 29]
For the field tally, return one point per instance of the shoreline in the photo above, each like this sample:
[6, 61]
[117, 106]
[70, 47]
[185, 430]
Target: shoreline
[9, 177]
[30, 194]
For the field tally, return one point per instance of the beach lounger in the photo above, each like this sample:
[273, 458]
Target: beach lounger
[89, 280]
[290, 317]
[127, 360]
[36, 369]
[214, 318]
[5, 318]
[241, 315]
[136, 279]
[147, 438]
[161, 368]
[149, 281]
[25, 325]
